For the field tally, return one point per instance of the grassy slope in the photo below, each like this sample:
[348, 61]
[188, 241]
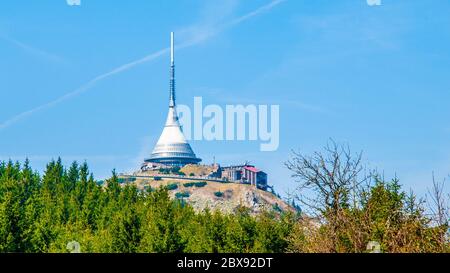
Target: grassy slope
[234, 195]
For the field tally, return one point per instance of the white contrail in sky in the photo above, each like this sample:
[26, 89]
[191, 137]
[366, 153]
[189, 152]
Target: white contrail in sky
[32, 50]
[249, 15]
[200, 38]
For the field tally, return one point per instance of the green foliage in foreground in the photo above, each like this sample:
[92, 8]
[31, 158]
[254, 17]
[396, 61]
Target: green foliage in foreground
[44, 214]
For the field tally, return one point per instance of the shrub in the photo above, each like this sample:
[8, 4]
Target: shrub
[195, 184]
[172, 187]
[180, 195]
[218, 194]
[200, 184]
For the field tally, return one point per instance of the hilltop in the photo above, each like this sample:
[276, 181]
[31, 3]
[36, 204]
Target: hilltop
[226, 197]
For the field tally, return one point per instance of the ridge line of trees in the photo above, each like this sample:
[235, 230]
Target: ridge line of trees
[45, 214]
[344, 206]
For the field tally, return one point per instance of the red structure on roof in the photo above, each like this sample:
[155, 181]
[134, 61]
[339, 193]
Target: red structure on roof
[252, 169]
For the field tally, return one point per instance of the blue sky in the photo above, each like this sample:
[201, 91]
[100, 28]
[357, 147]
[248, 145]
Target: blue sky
[375, 77]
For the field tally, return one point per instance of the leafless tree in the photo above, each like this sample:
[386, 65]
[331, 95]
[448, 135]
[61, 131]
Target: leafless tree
[440, 210]
[327, 180]
[439, 206]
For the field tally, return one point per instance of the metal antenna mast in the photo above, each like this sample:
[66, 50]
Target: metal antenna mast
[172, 72]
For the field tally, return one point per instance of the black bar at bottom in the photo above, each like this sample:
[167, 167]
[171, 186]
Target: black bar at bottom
[225, 262]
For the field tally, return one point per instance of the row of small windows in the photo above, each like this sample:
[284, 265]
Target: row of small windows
[184, 149]
[174, 154]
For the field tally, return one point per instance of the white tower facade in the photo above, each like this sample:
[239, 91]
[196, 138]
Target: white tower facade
[172, 147]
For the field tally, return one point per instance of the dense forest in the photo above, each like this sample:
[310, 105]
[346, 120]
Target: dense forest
[45, 213]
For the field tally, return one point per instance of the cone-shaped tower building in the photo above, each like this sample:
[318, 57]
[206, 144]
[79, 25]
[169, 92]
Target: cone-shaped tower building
[172, 148]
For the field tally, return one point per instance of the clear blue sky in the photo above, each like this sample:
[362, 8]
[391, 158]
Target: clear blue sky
[377, 78]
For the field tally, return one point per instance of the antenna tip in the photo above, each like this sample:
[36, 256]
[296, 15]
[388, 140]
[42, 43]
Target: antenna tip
[171, 46]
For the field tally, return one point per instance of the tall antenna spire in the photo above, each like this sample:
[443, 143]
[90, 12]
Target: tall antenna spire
[172, 72]
[172, 148]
